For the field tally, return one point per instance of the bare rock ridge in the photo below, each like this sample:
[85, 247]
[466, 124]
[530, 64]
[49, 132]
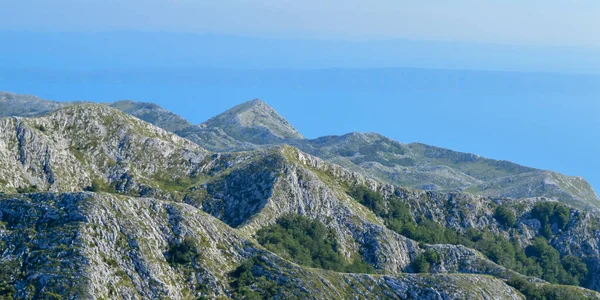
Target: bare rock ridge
[254, 117]
[85, 144]
[253, 125]
[433, 168]
[247, 126]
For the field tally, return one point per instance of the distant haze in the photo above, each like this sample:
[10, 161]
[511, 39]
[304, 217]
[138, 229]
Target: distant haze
[514, 80]
[159, 50]
[533, 22]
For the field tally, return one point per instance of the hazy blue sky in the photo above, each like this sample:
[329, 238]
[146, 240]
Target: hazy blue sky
[538, 22]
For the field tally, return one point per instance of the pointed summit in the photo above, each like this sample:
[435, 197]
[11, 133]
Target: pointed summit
[254, 122]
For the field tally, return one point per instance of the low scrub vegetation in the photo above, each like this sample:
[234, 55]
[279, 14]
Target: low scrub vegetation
[539, 260]
[309, 243]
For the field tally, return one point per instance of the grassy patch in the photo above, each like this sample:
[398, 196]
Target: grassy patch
[99, 185]
[179, 184]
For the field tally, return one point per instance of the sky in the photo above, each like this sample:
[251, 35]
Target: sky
[534, 22]
[511, 80]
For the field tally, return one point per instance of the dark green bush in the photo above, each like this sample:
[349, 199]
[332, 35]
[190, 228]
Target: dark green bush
[27, 189]
[420, 264]
[95, 187]
[540, 259]
[545, 291]
[432, 256]
[551, 213]
[308, 242]
[182, 253]
[9, 273]
[423, 262]
[553, 270]
[505, 216]
[575, 267]
[255, 279]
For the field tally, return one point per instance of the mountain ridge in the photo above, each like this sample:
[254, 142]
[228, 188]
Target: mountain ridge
[254, 124]
[141, 212]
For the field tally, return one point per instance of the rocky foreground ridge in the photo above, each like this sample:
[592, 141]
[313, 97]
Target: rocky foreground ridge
[99, 204]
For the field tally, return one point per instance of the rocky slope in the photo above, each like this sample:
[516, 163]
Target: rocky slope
[86, 245]
[432, 168]
[253, 125]
[99, 204]
[152, 113]
[285, 180]
[80, 145]
[411, 165]
[246, 126]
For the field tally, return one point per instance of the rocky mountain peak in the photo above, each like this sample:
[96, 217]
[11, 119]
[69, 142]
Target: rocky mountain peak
[254, 121]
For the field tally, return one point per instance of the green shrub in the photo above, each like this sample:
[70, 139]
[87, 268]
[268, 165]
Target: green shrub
[420, 264]
[95, 187]
[540, 259]
[250, 282]
[575, 267]
[28, 189]
[432, 256]
[549, 260]
[533, 291]
[9, 273]
[182, 253]
[423, 262]
[99, 185]
[551, 213]
[307, 242]
[505, 216]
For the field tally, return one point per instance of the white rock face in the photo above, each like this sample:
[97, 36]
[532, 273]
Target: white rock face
[67, 149]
